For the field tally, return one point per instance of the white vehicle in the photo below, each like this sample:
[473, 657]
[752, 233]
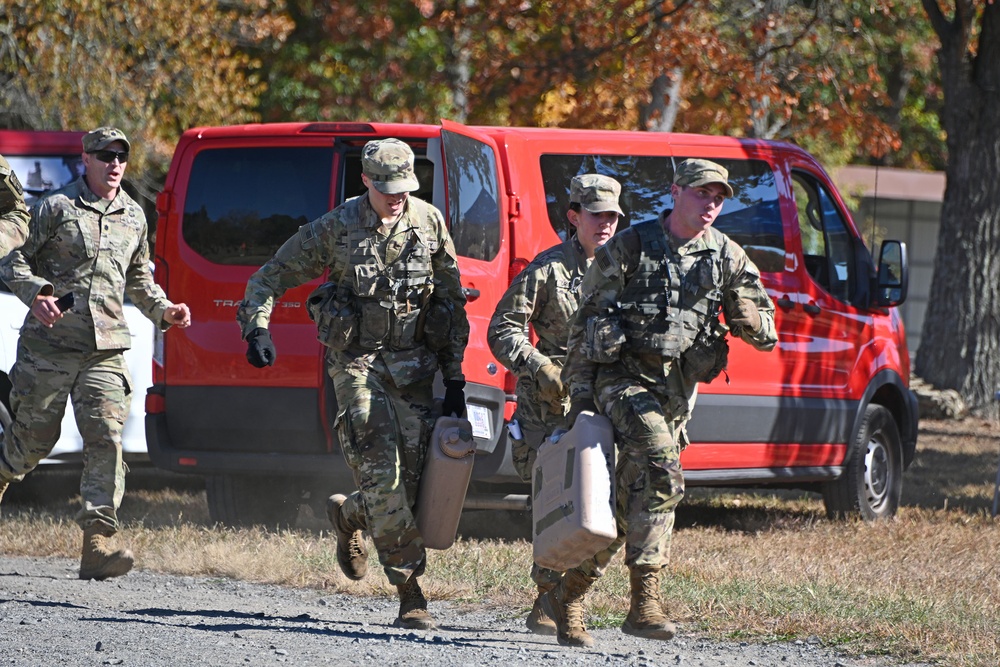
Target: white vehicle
[44, 161]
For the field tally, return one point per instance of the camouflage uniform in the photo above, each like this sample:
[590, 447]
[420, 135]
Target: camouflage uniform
[13, 212]
[98, 250]
[644, 391]
[398, 314]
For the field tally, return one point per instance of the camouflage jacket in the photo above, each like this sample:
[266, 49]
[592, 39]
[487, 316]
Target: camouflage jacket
[602, 291]
[13, 212]
[324, 245]
[544, 295]
[99, 255]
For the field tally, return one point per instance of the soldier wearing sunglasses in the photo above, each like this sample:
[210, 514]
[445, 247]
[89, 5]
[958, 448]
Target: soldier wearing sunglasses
[86, 250]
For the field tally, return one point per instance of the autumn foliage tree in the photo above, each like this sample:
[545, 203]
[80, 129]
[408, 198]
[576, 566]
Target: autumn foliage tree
[153, 68]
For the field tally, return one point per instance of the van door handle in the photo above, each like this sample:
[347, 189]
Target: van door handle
[471, 293]
[785, 302]
[811, 308]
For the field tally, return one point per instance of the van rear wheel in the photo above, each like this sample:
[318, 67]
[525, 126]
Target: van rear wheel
[252, 500]
[872, 482]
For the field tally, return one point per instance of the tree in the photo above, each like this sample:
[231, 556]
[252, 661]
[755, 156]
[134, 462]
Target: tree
[960, 342]
[153, 68]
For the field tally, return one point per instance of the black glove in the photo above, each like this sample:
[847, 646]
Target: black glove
[260, 349]
[454, 398]
[578, 405]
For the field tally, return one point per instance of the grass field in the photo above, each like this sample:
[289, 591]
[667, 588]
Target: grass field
[756, 566]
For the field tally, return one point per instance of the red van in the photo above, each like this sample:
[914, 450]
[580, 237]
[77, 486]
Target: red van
[829, 409]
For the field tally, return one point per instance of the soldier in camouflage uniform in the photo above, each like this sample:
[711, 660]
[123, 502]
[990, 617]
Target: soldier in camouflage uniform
[391, 315]
[647, 331]
[88, 239]
[545, 295]
[13, 212]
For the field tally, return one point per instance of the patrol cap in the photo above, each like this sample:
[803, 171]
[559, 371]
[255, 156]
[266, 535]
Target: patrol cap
[696, 172]
[102, 137]
[596, 193]
[389, 165]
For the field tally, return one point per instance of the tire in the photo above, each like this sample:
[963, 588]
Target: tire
[242, 501]
[872, 482]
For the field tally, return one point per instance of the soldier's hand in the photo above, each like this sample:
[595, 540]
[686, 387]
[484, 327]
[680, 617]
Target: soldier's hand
[178, 315]
[550, 386]
[580, 404]
[260, 349]
[45, 310]
[745, 315]
[454, 398]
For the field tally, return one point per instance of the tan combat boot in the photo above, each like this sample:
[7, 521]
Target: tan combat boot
[564, 603]
[538, 621]
[645, 615]
[98, 560]
[413, 614]
[351, 553]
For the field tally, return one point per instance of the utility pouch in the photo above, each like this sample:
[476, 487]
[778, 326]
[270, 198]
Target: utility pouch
[374, 323]
[437, 324]
[336, 321]
[708, 355]
[604, 338]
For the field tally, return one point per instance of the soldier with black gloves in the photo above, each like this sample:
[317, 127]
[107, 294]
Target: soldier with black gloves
[391, 315]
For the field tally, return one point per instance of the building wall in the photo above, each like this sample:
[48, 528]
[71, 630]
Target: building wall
[905, 205]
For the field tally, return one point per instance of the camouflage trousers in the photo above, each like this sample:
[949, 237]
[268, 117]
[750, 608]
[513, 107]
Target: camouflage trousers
[384, 432]
[649, 434]
[99, 387]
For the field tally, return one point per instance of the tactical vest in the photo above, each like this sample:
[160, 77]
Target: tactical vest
[670, 298]
[389, 297]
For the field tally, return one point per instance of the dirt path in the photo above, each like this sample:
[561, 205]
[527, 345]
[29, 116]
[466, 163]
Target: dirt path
[49, 617]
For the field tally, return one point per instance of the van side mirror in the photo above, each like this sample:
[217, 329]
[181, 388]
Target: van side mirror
[893, 277]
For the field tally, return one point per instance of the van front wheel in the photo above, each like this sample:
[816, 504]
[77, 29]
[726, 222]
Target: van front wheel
[872, 481]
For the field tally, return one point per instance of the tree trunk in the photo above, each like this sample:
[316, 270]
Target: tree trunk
[661, 112]
[960, 342]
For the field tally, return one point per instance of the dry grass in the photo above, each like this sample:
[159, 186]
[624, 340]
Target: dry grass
[756, 566]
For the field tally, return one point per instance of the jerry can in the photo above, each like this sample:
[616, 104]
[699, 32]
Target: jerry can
[573, 497]
[447, 471]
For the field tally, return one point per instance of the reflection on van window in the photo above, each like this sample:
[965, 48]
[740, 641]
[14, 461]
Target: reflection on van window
[827, 245]
[243, 203]
[473, 199]
[751, 218]
[41, 173]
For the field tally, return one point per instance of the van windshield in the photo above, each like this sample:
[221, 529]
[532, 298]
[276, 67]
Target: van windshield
[41, 173]
[751, 218]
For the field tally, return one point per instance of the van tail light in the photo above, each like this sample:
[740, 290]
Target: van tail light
[156, 402]
[516, 266]
[509, 383]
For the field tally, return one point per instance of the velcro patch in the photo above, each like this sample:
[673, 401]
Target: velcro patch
[605, 262]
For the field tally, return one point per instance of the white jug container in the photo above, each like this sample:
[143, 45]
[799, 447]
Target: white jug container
[447, 471]
[572, 504]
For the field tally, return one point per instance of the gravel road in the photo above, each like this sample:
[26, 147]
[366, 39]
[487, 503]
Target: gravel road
[49, 617]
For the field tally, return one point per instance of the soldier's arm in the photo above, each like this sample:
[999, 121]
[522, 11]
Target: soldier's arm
[147, 296]
[508, 334]
[13, 211]
[17, 268]
[743, 278]
[300, 259]
[448, 287]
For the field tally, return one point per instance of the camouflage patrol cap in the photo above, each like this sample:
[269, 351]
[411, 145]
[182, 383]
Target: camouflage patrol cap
[389, 164]
[102, 137]
[595, 193]
[695, 172]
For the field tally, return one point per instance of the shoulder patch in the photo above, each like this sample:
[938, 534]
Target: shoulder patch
[307, 235]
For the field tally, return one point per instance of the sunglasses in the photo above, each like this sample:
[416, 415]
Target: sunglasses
[109, 156]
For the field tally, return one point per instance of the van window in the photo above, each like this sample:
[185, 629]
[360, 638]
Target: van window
[243, 203]
[473, 200]
[827, 245]
[751, 218]
[41, 173]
